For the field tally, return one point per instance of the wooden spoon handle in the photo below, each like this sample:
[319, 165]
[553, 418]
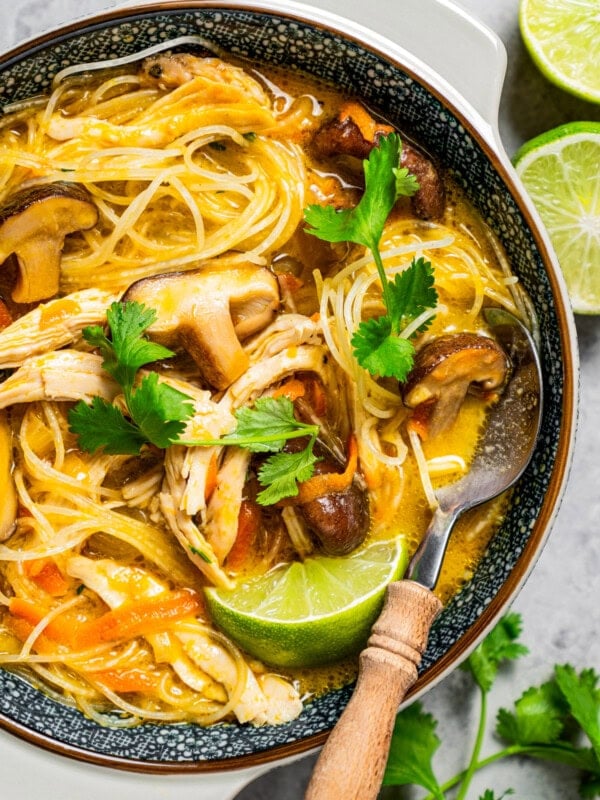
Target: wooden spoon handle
[353, 760]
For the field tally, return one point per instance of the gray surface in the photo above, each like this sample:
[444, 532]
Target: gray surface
[559, 603]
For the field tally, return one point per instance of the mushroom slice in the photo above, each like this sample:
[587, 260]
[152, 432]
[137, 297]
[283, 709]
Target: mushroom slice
[33, 225]
[445, 369]
[208, 311]
[355, 132]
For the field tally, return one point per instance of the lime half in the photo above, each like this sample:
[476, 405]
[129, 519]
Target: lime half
[312, 612]
[563, 38]
[561, 172]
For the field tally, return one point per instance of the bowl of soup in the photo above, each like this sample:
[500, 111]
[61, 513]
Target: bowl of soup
[247, 253]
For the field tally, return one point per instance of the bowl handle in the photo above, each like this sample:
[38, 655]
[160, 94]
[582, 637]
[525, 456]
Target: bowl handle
[463, 51]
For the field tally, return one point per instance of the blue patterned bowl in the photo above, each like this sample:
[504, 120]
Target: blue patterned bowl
[414, 98]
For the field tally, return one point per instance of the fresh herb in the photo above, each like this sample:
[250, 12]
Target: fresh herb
[546, 723]
[378, 344]
[250, 136]
[200, 554]
[157, 411]
[219, 146]
[265, 428]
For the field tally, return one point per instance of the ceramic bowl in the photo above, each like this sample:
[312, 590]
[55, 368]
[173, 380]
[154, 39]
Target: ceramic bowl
[454, 118]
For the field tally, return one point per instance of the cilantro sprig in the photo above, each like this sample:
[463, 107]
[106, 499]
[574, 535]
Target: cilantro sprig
[546, 723]
[378, 344]
[265, 428]
[157, 411]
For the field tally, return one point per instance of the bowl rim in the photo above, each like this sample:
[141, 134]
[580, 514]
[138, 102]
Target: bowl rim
[393, 53]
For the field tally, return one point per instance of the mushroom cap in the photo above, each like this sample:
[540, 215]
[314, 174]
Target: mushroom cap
[444, 370]
[33, 225]
[208, 312]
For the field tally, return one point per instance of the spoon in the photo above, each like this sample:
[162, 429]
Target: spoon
[352, 762]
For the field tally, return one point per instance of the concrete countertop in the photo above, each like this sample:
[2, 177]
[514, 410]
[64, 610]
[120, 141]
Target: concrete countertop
[559, 603]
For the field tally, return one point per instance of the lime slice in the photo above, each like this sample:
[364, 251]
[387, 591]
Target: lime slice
[312, 612]
[563, 38]
[561, 172]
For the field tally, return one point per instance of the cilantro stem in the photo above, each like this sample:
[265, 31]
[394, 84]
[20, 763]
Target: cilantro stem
[476, 747]
[244, 441]
[385, 287]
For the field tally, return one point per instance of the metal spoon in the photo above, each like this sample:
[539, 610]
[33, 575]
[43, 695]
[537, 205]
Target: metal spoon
[352, 762]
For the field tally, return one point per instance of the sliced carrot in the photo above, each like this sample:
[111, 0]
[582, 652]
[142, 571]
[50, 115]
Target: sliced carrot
[211, 477]
[127, 680]
[139, 618]
[292, 389]
[369, 127]
[5, 316]
[249, 521]
[45, 573]
[59, 629]
[315, 395]
[330, 482]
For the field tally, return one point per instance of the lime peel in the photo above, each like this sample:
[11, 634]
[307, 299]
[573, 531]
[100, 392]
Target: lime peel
[313, 612]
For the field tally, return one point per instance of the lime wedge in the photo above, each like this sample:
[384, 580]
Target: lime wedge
[312, 612]
[561, 172]
[563, 38]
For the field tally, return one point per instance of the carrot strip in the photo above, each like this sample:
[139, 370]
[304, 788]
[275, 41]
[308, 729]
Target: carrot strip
[211, 477]
[292, 389]
[5, 316]
[249, 521]
[60, 630]
[45, 574]
[330, 482]
[126, 680]
[139, 618]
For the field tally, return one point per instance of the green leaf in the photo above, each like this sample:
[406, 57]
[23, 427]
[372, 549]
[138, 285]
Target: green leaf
[159, 410]
[414, 743]
[490, 795]
[364, 224]
[406, 183]
[281, 472]
[538, 717]
[381, 353]
[583, 697]
[499, 645]
[102, 425]
[127, 350]
[411, 293]
[270, 415]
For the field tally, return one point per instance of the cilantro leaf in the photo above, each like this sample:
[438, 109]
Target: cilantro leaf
[499, 645]
[127, 350]
[406, 183]
[582, 694]
[414, 743]
[102, 424]
[281, 473]
[538, 717]
[272, 416]
[363, 224]
[159, 410]
[490, 795]
[379, 352]
[411, 293]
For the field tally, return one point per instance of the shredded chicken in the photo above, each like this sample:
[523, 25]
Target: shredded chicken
[267, 699]
[286, 330]
[52, 325]
[225, 502]
[62, 375]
